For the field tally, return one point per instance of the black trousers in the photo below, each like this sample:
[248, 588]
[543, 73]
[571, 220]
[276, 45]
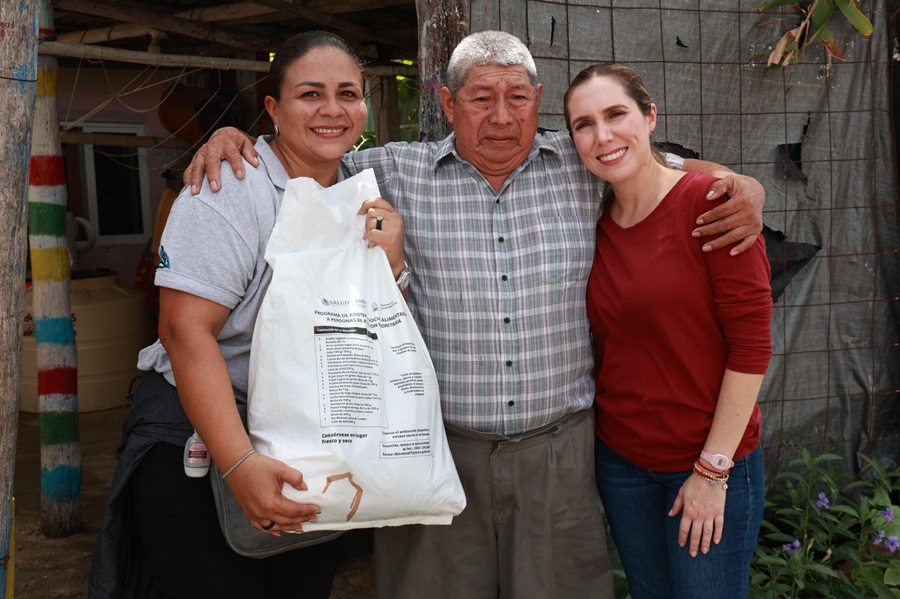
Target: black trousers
[187, 555]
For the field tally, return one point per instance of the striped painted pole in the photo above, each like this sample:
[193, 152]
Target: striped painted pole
[18, 85]
[53, 332]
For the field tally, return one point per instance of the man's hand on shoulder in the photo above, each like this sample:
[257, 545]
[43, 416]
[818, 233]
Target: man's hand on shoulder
[737, 220]
[228, 144]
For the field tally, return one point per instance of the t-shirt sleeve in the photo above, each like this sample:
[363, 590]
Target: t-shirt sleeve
[742, 297]
[202, 252]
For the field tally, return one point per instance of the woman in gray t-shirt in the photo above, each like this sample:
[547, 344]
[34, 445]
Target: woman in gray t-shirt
[160, 532]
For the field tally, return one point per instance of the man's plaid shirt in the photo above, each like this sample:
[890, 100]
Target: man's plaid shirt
[498, 287]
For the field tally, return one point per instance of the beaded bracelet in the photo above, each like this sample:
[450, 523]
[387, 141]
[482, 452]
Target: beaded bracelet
[713, 480]
[710, 472]
[238, 463]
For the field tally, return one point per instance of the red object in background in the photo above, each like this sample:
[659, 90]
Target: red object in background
[178, 112]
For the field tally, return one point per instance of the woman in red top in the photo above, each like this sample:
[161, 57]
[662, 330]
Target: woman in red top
[683, 341]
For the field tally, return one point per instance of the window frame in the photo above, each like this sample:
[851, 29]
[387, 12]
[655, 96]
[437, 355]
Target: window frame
[89, 183]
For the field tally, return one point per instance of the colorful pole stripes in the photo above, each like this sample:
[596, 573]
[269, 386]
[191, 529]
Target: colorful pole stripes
[54, 334]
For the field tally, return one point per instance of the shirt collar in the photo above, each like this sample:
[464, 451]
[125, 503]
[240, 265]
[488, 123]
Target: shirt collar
[277, 174]
[267, 157]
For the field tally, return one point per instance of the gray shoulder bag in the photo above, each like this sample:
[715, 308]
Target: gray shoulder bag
[241, 536]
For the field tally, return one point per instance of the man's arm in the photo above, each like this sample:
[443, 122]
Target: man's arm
[738, 219]
[228, 144]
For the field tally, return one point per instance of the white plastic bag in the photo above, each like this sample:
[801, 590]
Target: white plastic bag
[341, 384]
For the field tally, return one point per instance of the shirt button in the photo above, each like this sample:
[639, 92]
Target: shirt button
[506, 320]
[504, 278]
[509, 362]
[510, 403]
[500, 240]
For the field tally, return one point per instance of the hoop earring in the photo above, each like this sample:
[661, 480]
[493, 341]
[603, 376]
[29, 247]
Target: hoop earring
[277, 132]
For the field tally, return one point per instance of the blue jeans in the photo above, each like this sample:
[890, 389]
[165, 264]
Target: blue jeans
[637, 502]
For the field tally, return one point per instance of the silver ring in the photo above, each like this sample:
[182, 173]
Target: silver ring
[378, 222]
[269, 526]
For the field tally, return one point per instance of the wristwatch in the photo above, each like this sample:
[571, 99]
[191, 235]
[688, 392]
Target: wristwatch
[405, 276]
[719, 461]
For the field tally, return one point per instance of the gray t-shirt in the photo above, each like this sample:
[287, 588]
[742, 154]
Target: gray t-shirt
[213, 247]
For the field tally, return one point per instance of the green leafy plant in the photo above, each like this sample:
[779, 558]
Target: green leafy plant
[365, 141]
[814, 29]
[827, 534]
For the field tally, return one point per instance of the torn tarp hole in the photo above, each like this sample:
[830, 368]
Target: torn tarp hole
[786, 258]
[792, 161]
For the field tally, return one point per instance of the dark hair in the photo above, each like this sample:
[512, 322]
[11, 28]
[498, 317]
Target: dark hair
[298, 46]
[632, 84]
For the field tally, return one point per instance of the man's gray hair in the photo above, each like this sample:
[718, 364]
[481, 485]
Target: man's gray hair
[487, 48]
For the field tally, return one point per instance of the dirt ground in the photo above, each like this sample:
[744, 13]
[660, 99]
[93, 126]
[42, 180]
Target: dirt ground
[58, 568]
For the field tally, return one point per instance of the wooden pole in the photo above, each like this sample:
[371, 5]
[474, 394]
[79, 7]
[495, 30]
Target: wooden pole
[384, 99]
[53, 331]
[442, 25]
[164, 22]
[86, 51]
[18, 85]
[124, 141]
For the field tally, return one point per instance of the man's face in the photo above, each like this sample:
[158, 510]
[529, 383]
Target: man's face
[495, 118]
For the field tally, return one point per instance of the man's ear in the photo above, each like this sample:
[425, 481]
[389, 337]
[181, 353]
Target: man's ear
[540, 94]
[447, 103]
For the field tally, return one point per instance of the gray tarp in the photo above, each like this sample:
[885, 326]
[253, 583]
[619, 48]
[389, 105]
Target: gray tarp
[821, 144]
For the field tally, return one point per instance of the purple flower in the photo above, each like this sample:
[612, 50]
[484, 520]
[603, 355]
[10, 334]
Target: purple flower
[888, 514]
[823, 501]
[879, 539]
[892, 544]
[790, 548]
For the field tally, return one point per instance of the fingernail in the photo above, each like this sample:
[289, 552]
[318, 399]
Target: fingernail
[693, 554]
[214, 185]
[734, 252]
[240, 174]
[194, 190]
[710, 194]
[313, 519]
[695, 233]
[700, 221]
[707, 248]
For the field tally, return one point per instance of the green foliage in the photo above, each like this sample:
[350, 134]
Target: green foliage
[827, 534]
[365, 141]
[814, 29]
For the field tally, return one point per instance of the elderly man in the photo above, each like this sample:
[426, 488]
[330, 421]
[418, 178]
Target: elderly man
[500, 225]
